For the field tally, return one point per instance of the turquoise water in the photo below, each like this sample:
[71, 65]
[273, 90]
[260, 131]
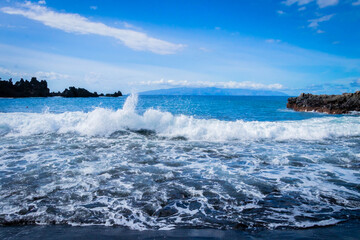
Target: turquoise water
[168, 162]
[228, 108]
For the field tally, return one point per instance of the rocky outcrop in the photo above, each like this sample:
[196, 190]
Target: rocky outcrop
[332, 104]
[82, 92]
[115, 94]
[77, 92]
[34, 88]
[22, 88]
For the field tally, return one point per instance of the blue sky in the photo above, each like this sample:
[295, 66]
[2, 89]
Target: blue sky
[291, 46]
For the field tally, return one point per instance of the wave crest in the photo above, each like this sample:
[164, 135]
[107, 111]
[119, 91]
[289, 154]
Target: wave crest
[104, 122]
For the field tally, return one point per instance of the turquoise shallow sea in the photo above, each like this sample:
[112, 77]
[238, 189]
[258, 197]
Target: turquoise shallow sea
[132, 164]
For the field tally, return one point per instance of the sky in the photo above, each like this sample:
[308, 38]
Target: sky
[291, 46]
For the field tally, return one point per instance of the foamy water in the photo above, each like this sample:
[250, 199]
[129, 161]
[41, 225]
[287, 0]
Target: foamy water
[160, 170]
[104, 122]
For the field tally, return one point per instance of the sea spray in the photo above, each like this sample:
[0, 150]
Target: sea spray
[130, 103]
[104, 122]
[148, 168]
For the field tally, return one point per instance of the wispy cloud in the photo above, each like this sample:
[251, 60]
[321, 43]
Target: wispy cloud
[339, 86]
[327, 3]
[298, 2]
[356, 3]
[8, 72]
[320, 3]
[314, 23]
[38, 74]
[93, 7]
[65, 71]
[74, 23]
[229, 84]
[273, 40]
[51, 75]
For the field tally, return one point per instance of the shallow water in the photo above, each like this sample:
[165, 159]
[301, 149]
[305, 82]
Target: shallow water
[176, 162]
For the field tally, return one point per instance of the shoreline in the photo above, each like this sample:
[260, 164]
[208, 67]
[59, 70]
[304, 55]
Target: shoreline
[331, 104]
[345, 230]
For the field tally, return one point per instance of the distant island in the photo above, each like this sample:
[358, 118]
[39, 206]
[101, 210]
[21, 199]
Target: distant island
[212, 91]
[332, 104]
[35, 88]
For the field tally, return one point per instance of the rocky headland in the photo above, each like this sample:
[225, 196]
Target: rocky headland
[332, 104]
[22, 88]
[35, 88]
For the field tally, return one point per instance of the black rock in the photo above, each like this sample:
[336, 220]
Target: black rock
[22, 88]
[78, 92]
[55, 94]
[116, 94]
[332, 104]
[34, 88]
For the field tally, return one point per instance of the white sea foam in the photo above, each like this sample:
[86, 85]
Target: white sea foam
[103, 122]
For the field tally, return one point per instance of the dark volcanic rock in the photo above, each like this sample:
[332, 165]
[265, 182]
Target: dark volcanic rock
[333, 104]
[78, 92]
[55, 94]
[34, 88]
[22, 88]
[116, 94]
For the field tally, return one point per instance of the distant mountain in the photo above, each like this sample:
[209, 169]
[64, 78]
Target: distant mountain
[212, 91]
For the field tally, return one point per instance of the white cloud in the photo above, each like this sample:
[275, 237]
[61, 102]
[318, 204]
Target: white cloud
[327, 3]
[302, 9]
[51, 75]
[314, 23]
[280, 12]
[320, 3]
[258, 63]
[93, 7]
[356, 3]
[38, 74]
[273, 40]
[320, 31]
[299, 2]
[128, 25]
[229, 84]
[42, 2]
[92, 75]
[74, 23]
[11, 73]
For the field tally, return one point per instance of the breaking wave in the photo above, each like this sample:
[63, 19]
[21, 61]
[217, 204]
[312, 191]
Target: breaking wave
[139, 173]
[103, 122]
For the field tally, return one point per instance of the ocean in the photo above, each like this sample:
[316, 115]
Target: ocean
[236, 163]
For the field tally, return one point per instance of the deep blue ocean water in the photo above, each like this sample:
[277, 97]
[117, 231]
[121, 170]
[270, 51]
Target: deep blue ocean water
[174, 162]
